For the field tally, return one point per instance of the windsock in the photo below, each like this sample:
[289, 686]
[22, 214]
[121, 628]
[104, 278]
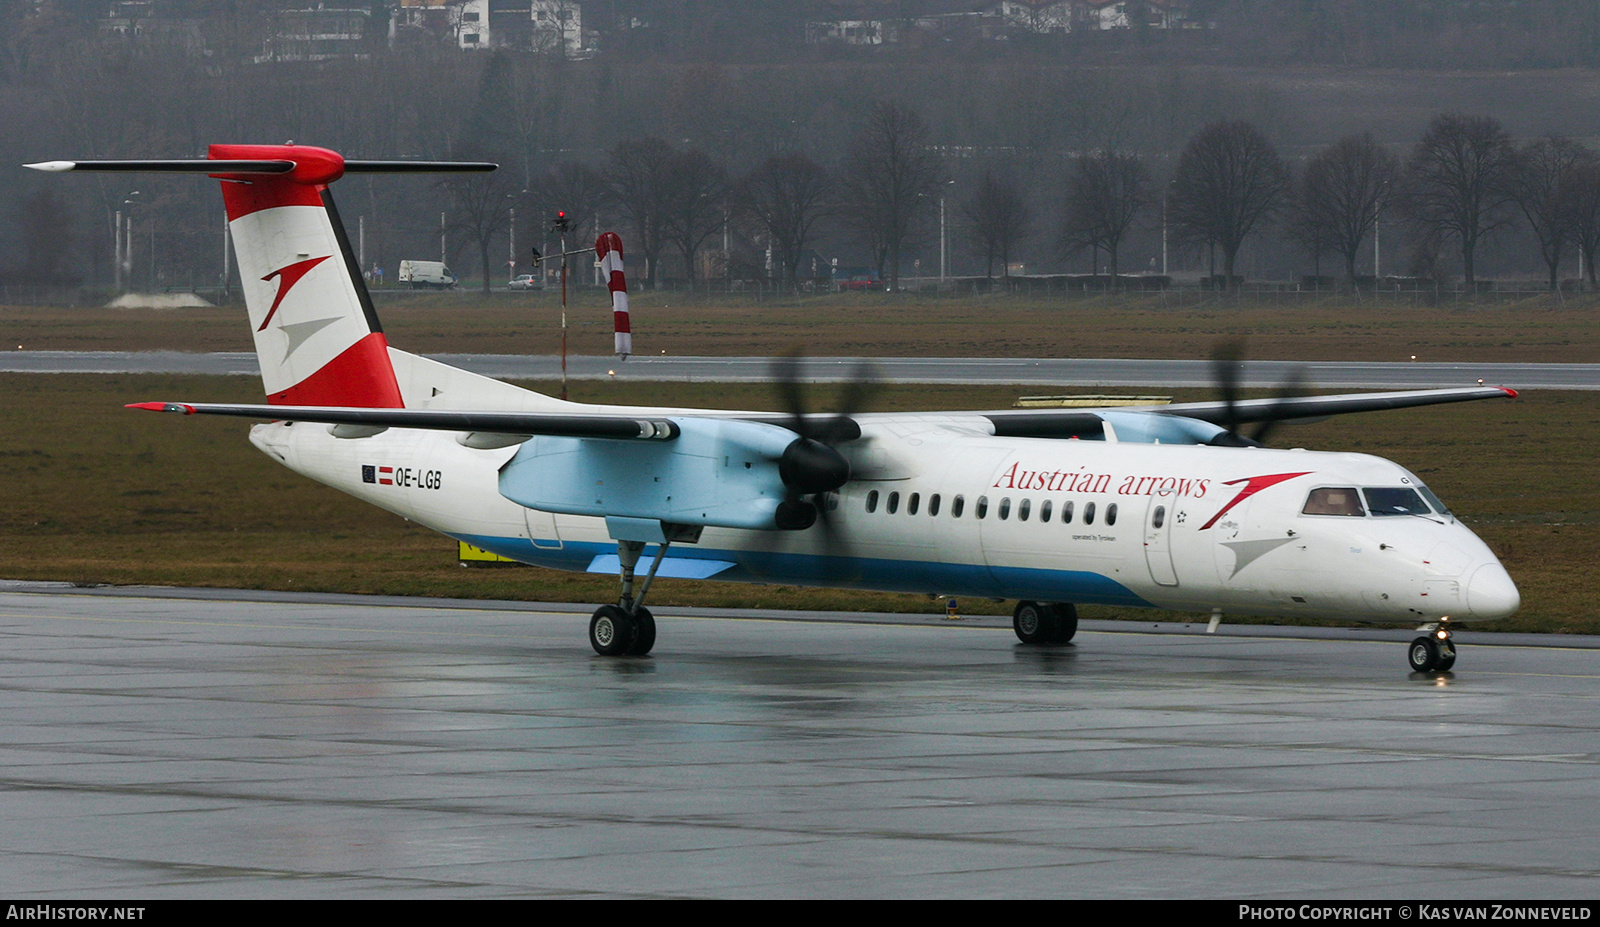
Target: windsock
[608, 247]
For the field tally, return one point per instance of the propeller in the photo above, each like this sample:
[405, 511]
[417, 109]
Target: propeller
[1227, 370]
[811, 466]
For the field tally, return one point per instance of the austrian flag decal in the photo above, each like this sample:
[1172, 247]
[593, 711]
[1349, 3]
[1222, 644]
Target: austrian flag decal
[403, 477]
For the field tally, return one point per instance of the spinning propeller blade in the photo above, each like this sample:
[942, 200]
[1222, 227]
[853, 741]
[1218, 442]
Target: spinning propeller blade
[812, 466]
[1227, 369]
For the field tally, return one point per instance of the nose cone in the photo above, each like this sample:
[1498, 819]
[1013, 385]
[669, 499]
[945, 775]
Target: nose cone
[1491, 593]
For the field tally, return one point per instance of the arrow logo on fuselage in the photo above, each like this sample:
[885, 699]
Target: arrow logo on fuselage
[287, 278]
[1252, 485]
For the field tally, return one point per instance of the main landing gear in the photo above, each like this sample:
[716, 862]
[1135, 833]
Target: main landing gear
[614, 631]
[1045, 623]
[628, 628]
[1434, 651]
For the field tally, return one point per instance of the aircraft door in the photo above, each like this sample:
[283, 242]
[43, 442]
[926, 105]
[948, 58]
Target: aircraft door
[1158, 520]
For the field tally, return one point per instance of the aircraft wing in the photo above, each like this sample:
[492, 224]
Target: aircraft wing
[1030, 423]
[1040, 423]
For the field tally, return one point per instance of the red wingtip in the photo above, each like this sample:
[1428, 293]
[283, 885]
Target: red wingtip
[161, 407]
[1510, 392]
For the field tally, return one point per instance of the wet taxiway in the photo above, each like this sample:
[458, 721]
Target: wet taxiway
[182, 744]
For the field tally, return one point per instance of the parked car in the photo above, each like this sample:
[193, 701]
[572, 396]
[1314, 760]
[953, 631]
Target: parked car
[524, 282]
[861, 282]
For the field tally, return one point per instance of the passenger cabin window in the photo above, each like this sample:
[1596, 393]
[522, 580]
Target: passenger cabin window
[1066, 513]
[1044, 510]
[1005, 508]
[1340, 501]
[1022, 509]
[912, 503]
[1111, 514]
[957, 506]
[894, 503]
[982, 508]
[1397, 500]
[933, 505]
[1088, 513]
[872, 501]
[1159, 517]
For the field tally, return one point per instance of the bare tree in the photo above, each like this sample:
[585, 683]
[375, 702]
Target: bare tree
[1105, 194]
[1459, 182]
[574, 189]
[697, 201]
[787, 195]
[891, 175]
[1229, 181]
[641, 183]
[480, 207]
[1542, 185]
[1581, 193]
[1344, 188]
[998, 219]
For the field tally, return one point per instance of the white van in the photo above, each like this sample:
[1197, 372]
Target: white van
[421, 275]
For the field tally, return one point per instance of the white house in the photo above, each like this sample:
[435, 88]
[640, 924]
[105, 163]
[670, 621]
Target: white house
[554, 26]
[1126, 14]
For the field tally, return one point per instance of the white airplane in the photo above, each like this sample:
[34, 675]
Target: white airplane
[1165, 507]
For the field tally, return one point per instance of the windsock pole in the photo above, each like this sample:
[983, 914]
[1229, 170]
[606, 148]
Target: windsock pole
[608, 247]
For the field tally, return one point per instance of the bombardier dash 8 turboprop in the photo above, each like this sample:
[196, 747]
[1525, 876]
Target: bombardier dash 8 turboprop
[1167, 508]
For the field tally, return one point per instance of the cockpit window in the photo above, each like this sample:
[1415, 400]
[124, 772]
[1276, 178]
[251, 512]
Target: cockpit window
[1433, 500]
[1336, 501]
[1396, 500]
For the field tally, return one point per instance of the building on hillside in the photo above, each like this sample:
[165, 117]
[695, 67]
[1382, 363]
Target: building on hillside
[866, 22]
[553, 26]
[1134, 14]
[1042, 17]
[320, 34]
[154, 23]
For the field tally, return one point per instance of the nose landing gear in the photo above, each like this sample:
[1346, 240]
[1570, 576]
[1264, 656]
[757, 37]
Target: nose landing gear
[1434, 651]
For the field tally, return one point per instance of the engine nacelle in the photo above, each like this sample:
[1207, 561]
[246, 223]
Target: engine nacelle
[717, 473]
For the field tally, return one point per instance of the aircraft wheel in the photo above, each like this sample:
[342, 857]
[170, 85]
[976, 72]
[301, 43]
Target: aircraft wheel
[1424, 655]
[1034, 623]
[644, 636]
[1447, 656]
[1066, 621]
[612, 631]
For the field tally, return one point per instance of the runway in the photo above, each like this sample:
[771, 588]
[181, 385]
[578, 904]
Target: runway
[185, 743]
[1041, 372]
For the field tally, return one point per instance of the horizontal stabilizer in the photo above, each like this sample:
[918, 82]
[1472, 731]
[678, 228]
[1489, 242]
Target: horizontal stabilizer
[188, 166]
[223, 166]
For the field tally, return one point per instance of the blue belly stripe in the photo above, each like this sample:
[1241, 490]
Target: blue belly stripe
[883, 575]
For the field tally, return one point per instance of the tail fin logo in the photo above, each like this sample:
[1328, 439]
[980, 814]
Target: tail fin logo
[288, 276]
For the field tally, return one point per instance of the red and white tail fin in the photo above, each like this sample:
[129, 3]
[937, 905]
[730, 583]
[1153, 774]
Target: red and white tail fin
[608, 248]
[317, 336]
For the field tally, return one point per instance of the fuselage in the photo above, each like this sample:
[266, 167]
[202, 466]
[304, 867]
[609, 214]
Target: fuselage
[937, 506]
